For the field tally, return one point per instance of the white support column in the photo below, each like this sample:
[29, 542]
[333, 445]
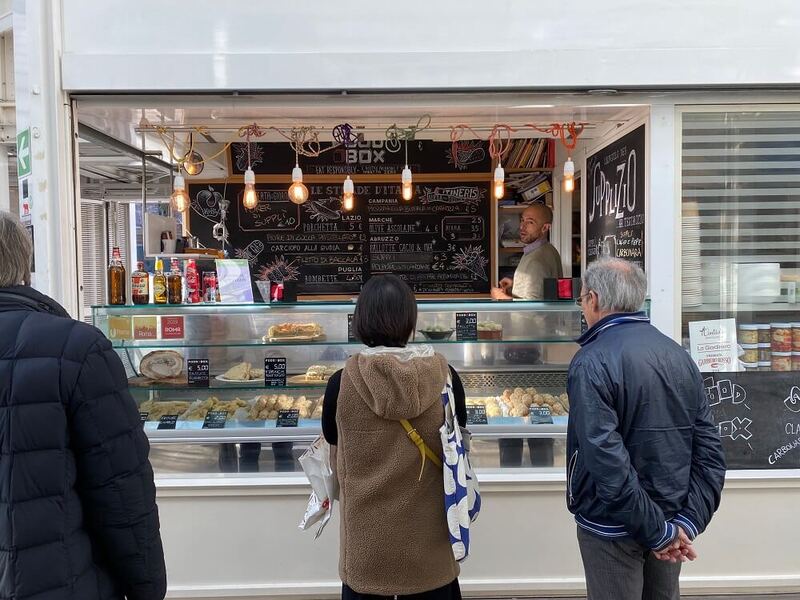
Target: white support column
[43, 107]
[664, 221]
[5, 201]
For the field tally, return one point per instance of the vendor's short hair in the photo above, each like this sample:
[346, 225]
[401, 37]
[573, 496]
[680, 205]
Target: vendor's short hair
[386, 312]
[16, 251]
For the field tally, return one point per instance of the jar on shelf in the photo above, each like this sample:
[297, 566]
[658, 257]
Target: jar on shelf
[795, 361]
[795, 337]
[763, 333]
[764, 352]
[765, 365]
[748, 334]
[782, 361]
[750, 355]
[750, 366]
[781, 337]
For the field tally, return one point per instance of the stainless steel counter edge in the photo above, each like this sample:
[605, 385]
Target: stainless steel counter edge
[492, 481]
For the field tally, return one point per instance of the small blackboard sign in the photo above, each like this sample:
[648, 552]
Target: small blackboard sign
[466, 326]
[350, 336]
[288, 418]
[168, 422]
[275, 371]
[197, 371]
[215, 419]
[476, 414]
[541, 415]
[143, 416]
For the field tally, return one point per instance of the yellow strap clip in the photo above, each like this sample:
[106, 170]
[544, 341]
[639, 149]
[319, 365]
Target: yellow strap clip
[421, 446]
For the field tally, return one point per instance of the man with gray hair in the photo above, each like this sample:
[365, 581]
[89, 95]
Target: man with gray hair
[645, 464]
[79, 518]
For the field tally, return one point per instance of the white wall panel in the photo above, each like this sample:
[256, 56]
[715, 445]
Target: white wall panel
[150, 45]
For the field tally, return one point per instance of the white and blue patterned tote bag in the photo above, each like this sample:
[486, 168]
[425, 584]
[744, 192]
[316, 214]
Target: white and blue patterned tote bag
[462, 497]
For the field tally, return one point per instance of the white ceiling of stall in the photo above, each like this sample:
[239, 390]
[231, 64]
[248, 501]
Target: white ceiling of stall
[221, 116]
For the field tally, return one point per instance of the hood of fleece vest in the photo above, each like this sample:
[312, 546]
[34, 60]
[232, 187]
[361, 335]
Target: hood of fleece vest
[398, 383]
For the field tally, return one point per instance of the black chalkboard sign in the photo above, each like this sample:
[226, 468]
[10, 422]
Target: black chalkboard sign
[438, 243]
[476, 414]
[197, 372]
[215, 419]
[143, 416]
[168, 422]
[466, 326]
[288, 418]
[540, 415]
[377, 157]
[615, 200]
[758, 418]
[275, 372]
[350, 335]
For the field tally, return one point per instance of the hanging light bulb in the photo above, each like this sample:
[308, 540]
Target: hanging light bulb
[298, 193]
[408, 188]
[499, 179]
[179, 197]
[348, 194]
[250, 198]
[569, 175]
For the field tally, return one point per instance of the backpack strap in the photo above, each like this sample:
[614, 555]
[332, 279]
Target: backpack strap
[423, 448]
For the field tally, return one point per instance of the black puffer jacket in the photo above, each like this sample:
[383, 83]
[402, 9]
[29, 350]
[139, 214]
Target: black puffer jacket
[78, 518]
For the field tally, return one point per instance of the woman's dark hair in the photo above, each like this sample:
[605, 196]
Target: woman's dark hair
[386, 312]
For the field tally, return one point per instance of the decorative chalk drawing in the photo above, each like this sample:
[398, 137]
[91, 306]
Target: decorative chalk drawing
[471, 259]
[205, 204]
[279, 270]
[467, 152]
[792, 402]
[324, 210]
[240, 155]
[251, 252]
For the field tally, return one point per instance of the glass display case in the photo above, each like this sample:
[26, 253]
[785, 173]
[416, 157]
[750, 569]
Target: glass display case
[238, 388]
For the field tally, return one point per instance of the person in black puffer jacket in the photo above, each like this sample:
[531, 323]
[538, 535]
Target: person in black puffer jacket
[78, 517]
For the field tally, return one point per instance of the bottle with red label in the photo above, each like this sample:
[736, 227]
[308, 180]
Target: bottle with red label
[140, 285]
[192, 283]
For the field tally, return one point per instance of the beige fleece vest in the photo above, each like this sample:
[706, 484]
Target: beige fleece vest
[394, 537]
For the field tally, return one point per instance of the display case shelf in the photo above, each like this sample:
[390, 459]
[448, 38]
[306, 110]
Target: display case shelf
[176, 345]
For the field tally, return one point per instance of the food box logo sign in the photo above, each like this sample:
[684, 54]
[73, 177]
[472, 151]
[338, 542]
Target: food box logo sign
[145, 328]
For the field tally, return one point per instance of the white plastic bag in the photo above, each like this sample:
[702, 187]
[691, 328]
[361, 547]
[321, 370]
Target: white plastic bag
[317, 465]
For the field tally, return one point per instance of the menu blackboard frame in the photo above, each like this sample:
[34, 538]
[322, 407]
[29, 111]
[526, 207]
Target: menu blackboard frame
[637, 135]
[203, 231]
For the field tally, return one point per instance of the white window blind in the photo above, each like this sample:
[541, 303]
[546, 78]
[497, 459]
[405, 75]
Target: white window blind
[93, 255]
[741, 204]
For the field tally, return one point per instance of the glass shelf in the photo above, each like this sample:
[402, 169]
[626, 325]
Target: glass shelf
[423, 305]
[170, 344]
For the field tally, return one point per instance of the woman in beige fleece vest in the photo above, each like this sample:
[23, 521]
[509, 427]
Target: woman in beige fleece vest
[394, 540]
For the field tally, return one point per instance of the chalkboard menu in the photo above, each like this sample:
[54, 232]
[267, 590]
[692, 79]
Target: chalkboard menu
[438, 243]
[379, 157]
[615, 200]
[758, 418]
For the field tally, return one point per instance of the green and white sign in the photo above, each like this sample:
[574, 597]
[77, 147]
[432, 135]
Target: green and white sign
[24, 153]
